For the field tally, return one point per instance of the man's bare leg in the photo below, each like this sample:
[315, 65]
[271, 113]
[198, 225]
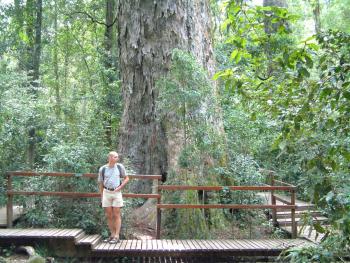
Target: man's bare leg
[117, 221]
[110, 221]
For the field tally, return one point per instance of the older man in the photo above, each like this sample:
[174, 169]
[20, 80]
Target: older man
[110, 181]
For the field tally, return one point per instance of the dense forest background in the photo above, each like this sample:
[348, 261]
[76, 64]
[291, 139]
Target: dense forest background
[252, 86]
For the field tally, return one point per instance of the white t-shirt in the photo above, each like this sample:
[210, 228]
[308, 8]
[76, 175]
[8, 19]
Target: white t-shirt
[112, 178]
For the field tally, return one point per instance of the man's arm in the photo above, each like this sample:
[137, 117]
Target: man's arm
[100, 188]
[121, 186]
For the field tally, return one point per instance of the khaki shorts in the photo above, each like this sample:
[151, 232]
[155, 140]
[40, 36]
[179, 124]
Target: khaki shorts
[110, 198]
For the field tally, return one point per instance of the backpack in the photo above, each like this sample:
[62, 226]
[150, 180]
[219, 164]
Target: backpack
[104, 170]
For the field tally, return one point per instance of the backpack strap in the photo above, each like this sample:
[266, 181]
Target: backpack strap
[120, 170]
[104, 170]
[103, 174]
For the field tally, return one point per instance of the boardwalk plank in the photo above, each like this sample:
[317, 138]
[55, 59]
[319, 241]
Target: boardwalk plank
[133, 245]
[187, 245]
[88, 239]
[204, 244]
[245, 244]
[158, 250]
[139, 245]
[195, 243]
[60, 233]
[116, 247]
[24, 232]
[234, 244]
[123, 244]
[255, 245]
[129, 244]
[159, 245]
[99, 246]
[11, 232]
[213, 244]
[154, 244]
[221, 245]
[49, 232]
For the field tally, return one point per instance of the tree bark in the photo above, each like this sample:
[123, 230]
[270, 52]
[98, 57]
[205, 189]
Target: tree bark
[148, 32]
[110, 62]
[316, 10]
[33, 30]
[55, 64]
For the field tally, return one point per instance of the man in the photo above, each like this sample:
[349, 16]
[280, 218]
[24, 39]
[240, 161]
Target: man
[110, 186]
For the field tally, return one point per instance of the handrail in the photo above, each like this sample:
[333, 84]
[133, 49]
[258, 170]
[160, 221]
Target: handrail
[89, 175]
[287, 187]
[232, 206]
[288, 205]
[78, 194]
[11, 192]
[284, 183]
[274, 198]
[219, 188]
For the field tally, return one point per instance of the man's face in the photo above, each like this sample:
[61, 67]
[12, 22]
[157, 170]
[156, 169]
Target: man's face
[113, 158]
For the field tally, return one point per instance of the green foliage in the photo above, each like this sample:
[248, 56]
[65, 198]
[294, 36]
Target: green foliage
[6, 251]
[184, 91]
[76, 110]
[303, 88]
[336, 15]
[186, 103]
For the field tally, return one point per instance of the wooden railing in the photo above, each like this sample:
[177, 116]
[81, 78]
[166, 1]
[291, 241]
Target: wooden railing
[157, 195]
[271, 188]
[275, 198]
[11, 192]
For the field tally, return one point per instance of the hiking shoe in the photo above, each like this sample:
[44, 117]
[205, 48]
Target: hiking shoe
[108, 239]
[114, 241]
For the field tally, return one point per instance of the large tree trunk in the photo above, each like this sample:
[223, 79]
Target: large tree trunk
[148, 32]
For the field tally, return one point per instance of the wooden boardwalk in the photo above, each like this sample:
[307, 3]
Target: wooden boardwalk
[303, 208]
[74, 242]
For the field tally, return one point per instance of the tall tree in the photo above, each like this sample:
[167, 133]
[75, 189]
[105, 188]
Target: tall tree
[55, 62]
[148, 32]
[110, 62]
[32, 63]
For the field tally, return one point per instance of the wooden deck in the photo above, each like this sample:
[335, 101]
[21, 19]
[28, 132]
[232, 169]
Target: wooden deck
[74, 242]
[284, 217]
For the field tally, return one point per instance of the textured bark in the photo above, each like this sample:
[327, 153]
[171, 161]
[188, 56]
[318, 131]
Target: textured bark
[148, 32]
[55, 65]
[110, 59]
[316, 10]
[33, 30]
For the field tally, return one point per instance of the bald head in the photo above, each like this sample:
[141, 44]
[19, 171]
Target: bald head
[112, 158]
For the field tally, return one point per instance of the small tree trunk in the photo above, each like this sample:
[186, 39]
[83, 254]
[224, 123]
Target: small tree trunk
[110, 60]
[316, 10]
[55, 64]
[34, 24]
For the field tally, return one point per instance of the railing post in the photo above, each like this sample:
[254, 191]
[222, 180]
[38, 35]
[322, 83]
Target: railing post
[159, 212]
[294, 224]
[273, 201]
[9, 211]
